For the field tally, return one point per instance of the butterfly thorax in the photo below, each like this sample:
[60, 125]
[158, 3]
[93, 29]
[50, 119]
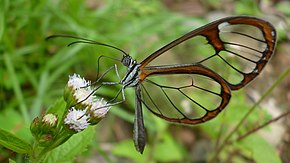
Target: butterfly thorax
[131, 77]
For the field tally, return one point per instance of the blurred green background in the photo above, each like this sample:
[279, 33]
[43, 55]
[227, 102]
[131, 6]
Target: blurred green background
[34, 72]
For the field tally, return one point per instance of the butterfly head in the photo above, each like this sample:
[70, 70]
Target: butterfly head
[128, 61]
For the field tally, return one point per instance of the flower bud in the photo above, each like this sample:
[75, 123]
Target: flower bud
[49, 120]
[44, 128]
[35, 127]
[69, 96]
[46, 139]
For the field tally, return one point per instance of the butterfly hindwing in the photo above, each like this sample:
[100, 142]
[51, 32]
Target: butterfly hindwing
[186, 94]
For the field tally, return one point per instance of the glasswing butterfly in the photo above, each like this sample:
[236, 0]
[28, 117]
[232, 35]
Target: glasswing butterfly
[198, 87]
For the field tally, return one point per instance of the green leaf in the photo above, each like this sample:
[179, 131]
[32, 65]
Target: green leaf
[168, 150]
[2, 21]
[127, 149]
[74, 146]
[14, 143]
[11, 161]
[260, 150]
[246, 7]
[13, 122]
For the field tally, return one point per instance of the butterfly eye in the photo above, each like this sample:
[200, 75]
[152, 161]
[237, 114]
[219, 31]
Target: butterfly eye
[126, 60]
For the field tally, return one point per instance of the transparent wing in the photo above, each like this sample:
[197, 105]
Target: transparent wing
[188, 94]
[236, 48]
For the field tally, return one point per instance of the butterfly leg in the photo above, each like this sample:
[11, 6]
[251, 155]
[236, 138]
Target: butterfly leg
[117, 72]
[120, 91]
[104, 83]
[104, 74]
[88, 95]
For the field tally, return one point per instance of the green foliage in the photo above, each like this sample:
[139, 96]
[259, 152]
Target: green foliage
[14, 143]
[12, 121]
[58, 108]
[157, 152]
[246, 7]
[73, 147]
[11, 161]
[167, 145]
[284, 7]
[258, 149]
[127, 150]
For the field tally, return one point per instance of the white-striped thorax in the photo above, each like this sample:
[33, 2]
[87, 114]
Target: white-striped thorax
[131, 77]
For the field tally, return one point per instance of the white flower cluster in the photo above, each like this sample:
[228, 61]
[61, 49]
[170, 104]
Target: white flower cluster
[82, 88]
[96, 108]
[77, 119]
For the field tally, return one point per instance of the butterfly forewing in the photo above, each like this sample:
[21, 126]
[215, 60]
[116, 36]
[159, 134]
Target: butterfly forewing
[210, 62]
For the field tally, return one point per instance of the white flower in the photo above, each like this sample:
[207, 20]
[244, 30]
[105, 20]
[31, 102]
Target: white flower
[76, 81]
[99, 108]
[84, 95]
[77, 119]
[49, 119]
[82, 92]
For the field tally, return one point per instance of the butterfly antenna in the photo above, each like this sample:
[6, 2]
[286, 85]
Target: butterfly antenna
[86, 41]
